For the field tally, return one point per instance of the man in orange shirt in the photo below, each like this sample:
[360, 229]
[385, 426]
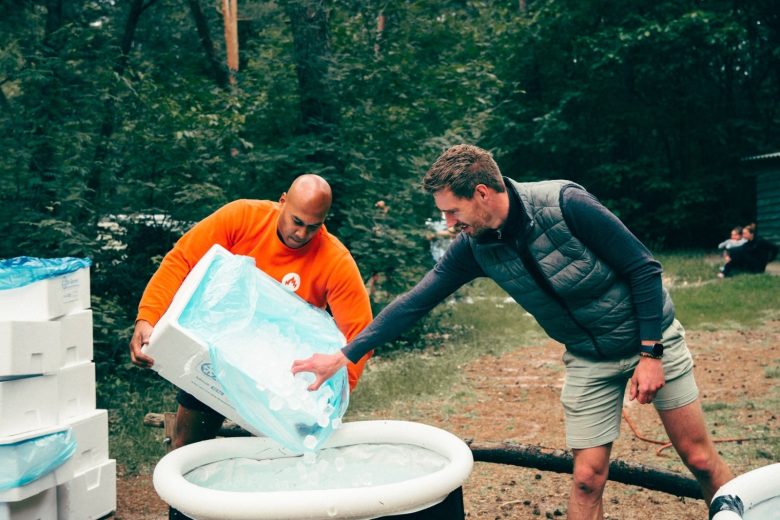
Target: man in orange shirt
[290, 243]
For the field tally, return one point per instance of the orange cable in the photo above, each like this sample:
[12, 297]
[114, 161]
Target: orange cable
[667, 444]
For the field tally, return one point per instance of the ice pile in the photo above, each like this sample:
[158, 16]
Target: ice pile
[361, 465]
[255, 328]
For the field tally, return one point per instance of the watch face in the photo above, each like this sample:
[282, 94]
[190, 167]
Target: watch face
[656, 350]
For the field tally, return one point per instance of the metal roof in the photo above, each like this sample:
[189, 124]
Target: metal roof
[775, 155]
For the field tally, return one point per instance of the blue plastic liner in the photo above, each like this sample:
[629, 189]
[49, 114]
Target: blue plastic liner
[255, 328]
[24, 270]
[28, 460]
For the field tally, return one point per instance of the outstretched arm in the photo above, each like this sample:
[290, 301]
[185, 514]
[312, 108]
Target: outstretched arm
[456, 268]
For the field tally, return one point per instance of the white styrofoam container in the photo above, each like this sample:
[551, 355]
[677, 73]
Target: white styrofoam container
[183, 359]
[29, 348]
[43, 347]
[63, 473]
[42, 506]
[76, 390]
[46, 299]
[89, 495]
[27, 404]
[91, 433]
[76, 337]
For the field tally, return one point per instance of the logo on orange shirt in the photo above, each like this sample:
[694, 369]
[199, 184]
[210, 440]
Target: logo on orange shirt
[291, 281]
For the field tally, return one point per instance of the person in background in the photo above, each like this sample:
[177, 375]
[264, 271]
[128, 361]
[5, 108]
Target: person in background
[590, 284]
[289, 242]
[751, 257]
[736, 239]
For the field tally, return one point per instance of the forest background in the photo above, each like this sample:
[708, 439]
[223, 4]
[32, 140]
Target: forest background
[121, 125]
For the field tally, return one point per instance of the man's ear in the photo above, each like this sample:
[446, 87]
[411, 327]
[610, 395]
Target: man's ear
[481, 191]
[283, 198]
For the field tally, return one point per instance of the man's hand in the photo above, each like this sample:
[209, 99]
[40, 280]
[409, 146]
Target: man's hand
[323, 366]
[648, 379]
[141, 335]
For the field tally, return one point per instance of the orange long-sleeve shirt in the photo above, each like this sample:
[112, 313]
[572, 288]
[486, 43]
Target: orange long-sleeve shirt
[322, 272]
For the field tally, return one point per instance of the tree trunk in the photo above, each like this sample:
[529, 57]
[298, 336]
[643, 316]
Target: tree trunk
[137, 7]
[311, 49]
[318, 108]
[217, 69]
[380, 32]
[42, 157]
[230, 15]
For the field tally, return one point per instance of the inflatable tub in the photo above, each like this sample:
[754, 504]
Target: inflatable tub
[367, 469]
[754, 495]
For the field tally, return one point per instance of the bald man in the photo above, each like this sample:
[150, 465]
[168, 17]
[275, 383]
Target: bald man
[289, 242]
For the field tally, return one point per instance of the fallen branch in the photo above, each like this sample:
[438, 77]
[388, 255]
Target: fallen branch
[562, 461]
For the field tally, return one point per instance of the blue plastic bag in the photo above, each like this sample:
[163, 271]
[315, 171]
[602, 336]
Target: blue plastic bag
[24, 270]
[255, 328]
[28, 460]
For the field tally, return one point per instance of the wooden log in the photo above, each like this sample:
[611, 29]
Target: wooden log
[527, 456]
[562, 461]
[166, 421]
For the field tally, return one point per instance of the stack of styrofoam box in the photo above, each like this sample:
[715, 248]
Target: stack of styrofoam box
[47, 384]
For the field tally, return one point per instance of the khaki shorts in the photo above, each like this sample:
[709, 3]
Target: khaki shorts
[593, 391]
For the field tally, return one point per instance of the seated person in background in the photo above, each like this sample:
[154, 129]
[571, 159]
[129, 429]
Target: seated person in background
[736, 240]
[752, 256]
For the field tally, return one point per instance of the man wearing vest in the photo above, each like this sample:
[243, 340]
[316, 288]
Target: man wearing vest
[590, 284]
[289, 243]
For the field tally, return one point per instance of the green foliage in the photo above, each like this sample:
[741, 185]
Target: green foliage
[649, 105]
[137, 447]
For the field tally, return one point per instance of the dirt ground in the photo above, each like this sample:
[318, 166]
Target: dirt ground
[517, 400]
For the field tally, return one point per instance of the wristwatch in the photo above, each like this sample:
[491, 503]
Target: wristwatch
[655, 351]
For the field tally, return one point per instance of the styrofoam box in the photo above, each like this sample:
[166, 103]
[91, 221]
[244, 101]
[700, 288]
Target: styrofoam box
[76, 390]
[90, 495]
[76, 338]
[91, 433]
[43, 347]
[63, 473]
[28, 404]
[42, 506]
[183, 359]
[29, 348]
[46, 299]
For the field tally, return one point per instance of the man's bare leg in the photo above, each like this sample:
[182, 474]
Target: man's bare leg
[688, 433]
[591, 466]
[194, 426]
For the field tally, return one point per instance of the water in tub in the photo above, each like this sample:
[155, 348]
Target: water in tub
[354, 466]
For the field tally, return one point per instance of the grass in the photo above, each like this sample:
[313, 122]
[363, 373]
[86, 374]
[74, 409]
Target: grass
[136, 447]
[483, 322]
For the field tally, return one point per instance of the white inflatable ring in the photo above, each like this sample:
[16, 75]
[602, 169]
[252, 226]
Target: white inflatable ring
[749, 489]
[350, 503]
